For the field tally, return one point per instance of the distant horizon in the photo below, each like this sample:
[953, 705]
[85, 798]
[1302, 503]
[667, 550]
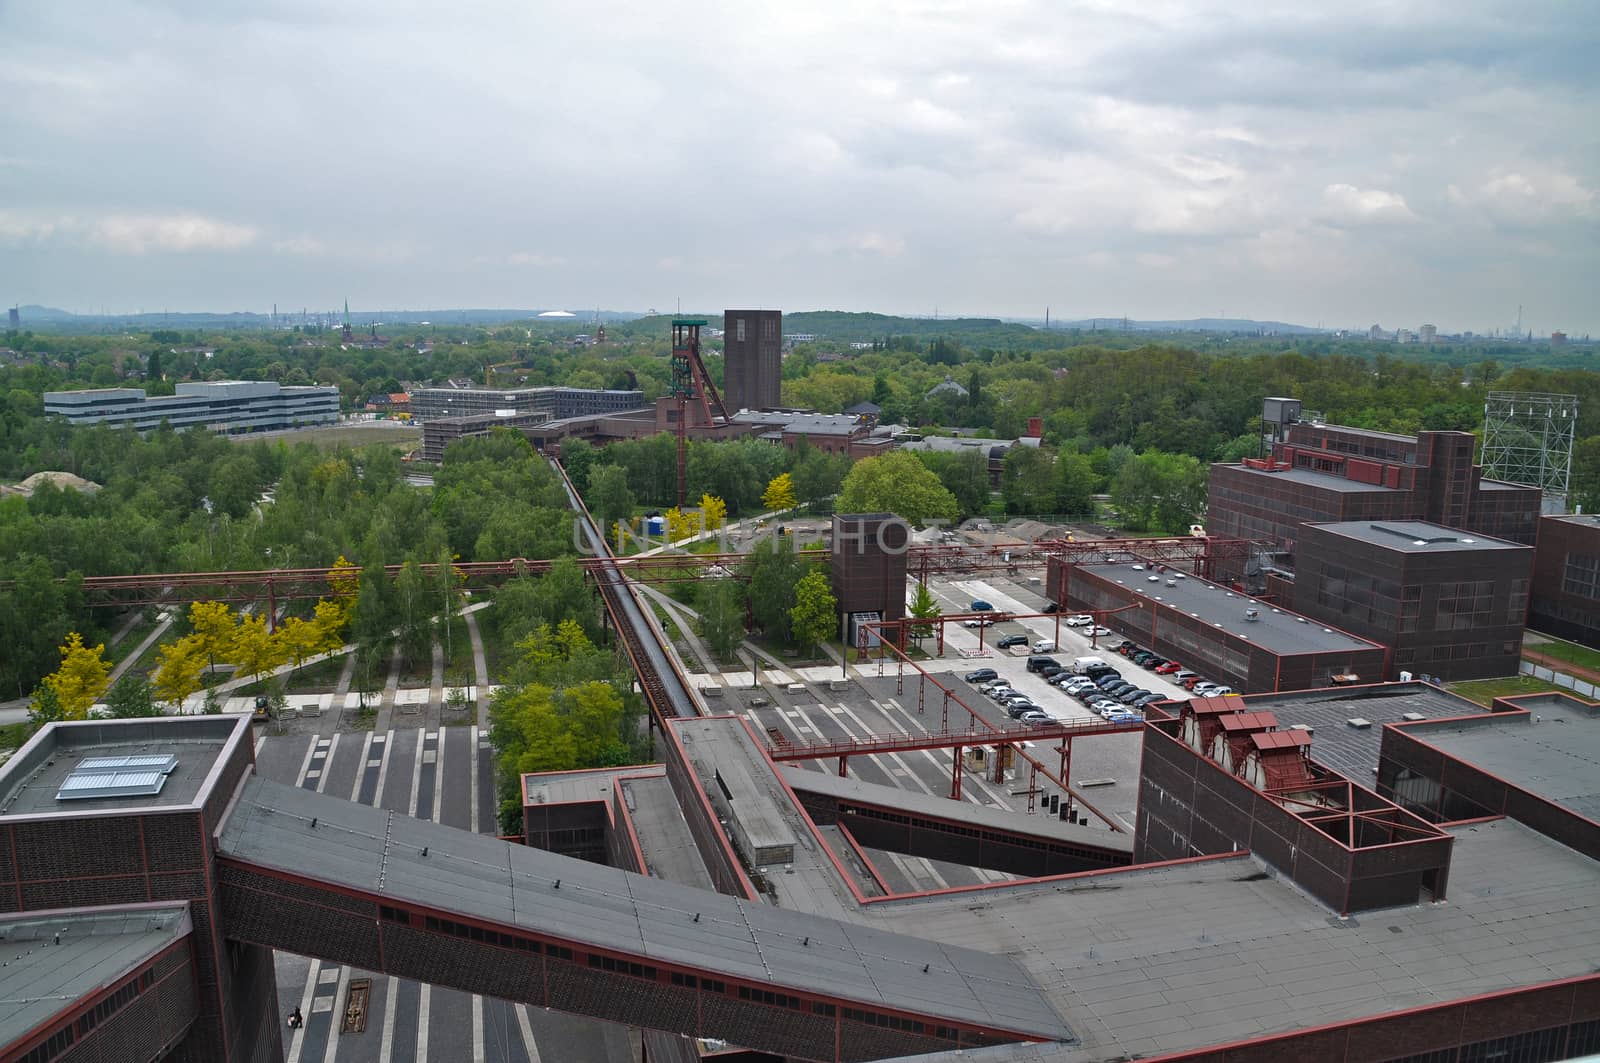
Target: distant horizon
[1107, 322]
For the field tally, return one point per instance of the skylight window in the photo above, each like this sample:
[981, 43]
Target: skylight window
[139, 775]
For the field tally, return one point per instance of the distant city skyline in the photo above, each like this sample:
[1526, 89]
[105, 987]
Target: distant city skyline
[1370, 162]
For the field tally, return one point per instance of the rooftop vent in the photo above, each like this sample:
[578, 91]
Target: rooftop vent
[1252, 614]
[1306, 727]
[1359, 723]
[1412, 716]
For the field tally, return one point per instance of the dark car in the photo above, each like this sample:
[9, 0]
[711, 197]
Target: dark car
[1148, 699]
[1100, 671]
[1128, 697]
[1141, 656]
[981, 606]
[1036, 663]
[1050, 671]
[982, 675]
[1012, 640]
[1052, 607]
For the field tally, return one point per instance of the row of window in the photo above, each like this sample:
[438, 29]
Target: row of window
[57, 1043]
[1582, 575]
[616, 966]
[472, 932]
[897, 1022]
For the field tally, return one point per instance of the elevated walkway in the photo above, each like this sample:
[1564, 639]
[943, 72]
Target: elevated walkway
[351, 884]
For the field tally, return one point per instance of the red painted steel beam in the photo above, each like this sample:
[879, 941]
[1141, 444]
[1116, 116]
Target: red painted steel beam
[910, 743]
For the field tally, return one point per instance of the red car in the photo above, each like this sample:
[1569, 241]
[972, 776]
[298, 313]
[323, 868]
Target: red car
[1168, 668]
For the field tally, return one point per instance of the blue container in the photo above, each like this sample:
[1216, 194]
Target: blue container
[655, 526]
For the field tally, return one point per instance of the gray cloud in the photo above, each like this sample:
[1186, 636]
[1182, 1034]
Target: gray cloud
[1397, 162]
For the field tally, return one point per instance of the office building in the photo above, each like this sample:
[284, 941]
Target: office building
[221, 406]
[439, 432]
[1249, 645]
[752, 359]
[1446, 603]
[559, 403]
[1566, 579]
[1330, 473]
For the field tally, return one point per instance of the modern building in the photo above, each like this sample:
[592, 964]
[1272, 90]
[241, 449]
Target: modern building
[220, 406]
[1446, 603]
[1247, 644]
[752, 359]
[440, 432]
[1566, 579]
[558, 403]
[1330, 473]
[1429, 334]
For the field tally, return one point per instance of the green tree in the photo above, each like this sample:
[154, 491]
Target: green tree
[815, 614]
[773, 571]
[81, 679]
[722, 616]
[131, 697]
[609, 495]
[924, 606]
[1075, 484]
[896, 483]
[1162, 492]
[45, 707]
[413, 613]
[1028, 481]
[966, 477]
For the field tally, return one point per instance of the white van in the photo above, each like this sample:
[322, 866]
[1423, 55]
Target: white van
[1044, 646]
[1083, 664]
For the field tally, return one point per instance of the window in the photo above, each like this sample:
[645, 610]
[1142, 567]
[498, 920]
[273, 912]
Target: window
[739, 330]
[1582, 576]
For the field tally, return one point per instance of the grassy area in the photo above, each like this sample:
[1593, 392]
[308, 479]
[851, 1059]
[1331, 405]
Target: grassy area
[403, 436]
[1484, 691]
[137, 634]
[12, 735]
[317, 678]
[1567, 651]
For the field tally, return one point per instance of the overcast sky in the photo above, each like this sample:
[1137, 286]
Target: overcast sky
[1344, 163]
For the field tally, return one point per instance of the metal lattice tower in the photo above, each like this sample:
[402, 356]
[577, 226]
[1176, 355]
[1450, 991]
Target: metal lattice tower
[1527, 439]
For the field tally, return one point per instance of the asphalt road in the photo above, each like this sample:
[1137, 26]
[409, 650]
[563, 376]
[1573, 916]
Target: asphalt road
[431, 775]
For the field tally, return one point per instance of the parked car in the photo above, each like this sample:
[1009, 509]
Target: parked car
[1034, 719]
[981, 606]
[1128, 649]
[982, 675]
[1128, 697]
[979, 621]
[1044, 646]
[1101, 671]
[1182, 674]
[1050, 671]
[998, 692]
[1148, 699]
[1037, 662]
[1194, 681]
[1141, 656]
[1124, 717]
[1052, 607]
[1220, 691]
[1079, 620]
[1012, 640]
[1099, 632]
[1207, 690]
[1168, 667]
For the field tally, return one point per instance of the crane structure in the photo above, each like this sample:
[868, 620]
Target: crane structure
[691, 382]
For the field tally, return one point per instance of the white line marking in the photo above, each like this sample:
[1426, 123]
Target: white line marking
[438, 776]
[416, 777]
[297, 1043]
[527, 1034]
[355, 789]
[322, 782]
[305, 765]
[422, 1023]
[386, 1047]
[477, 1030]
[330, 1053]
[383, 769]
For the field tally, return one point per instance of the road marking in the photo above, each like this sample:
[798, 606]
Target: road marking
[422, 1023]
[386, 1046]
[305, 765]
[416, 778]
[438, 776]
[336, 1020]
[361, 773]
[477, 1030]
[322, 781]
[297, 1043]
[383, 769]
[261, 740]
[527, 1033]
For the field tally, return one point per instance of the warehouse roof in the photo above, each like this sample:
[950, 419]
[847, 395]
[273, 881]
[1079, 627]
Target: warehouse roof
[1274, 629]
[49, 962]
[1352, 750]
[1182, 956]
[31, 781]
[1552, 751]
[375, 851]
[1416, 536]
[1326, 481]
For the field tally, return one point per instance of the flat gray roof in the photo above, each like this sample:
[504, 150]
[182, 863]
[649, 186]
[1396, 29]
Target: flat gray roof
[1274, 629]
[1557, 758]
[380, 852]
[1351, 751]
[1416, 536]
[561, 787]
[1582, 520]
[1148, 961]
[915, 802]
[30, 780]
[1326, 481]
[42, 975]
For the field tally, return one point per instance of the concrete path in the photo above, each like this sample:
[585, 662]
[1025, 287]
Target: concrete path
[480, 670]
[684, 618]
[140, 650]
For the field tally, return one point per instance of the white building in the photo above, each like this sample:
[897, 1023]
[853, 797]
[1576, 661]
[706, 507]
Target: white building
[221, 406]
